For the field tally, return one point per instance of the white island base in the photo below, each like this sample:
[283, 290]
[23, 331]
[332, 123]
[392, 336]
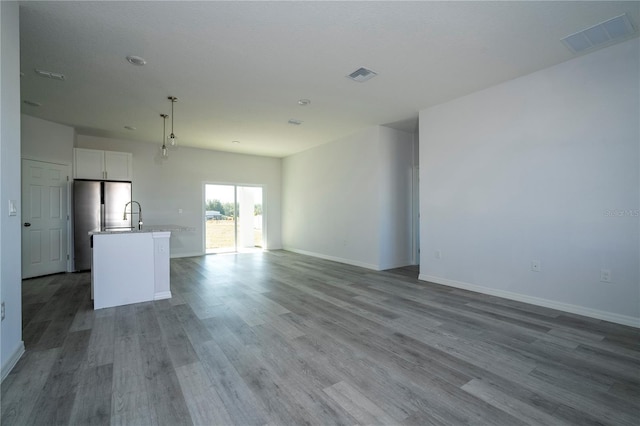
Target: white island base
[129, 267]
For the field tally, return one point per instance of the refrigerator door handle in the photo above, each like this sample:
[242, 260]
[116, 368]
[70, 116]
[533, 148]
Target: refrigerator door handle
[101, 212]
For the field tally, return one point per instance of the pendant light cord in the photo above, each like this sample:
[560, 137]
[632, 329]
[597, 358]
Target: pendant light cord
[164, 135]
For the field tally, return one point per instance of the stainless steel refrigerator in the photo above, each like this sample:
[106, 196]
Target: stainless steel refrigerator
[96, 204]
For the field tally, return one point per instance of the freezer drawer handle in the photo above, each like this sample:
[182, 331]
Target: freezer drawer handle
[27, 224]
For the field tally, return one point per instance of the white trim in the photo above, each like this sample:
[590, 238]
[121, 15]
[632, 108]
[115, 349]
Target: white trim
[13, 360]
[566, 307]
[46, 160]
[335, 259]
[162, 295]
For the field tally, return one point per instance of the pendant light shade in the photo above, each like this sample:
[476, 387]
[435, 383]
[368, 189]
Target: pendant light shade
[172, 140]
[164, 152]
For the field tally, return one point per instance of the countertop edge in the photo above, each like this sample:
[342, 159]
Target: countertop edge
[145, 229]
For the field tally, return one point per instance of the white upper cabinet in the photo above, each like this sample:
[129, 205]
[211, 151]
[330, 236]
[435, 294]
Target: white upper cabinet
[118, 165]
[108, 165]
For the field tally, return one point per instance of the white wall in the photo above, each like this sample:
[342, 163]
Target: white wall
[46, 141]
[336, 199]
[12, 346]
[531, 170]
[395, 202]
[163, 187]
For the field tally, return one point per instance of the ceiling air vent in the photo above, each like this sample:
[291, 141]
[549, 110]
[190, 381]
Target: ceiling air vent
[362, 74]
[613, 30]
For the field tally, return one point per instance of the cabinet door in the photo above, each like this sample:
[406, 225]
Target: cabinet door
[118, 165]
[88, 164]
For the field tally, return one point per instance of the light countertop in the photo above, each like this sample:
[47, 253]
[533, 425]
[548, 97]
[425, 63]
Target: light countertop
[145, 228]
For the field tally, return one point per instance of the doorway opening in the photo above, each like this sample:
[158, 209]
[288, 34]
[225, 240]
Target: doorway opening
[233, 216]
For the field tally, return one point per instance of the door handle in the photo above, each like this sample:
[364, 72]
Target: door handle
[27, 224]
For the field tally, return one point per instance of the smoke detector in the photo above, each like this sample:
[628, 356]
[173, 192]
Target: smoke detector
[362, 74]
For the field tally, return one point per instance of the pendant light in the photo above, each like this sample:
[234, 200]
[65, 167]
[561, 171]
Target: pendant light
[164, 153]
[173, 140]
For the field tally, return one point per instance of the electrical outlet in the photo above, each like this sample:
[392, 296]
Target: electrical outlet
[536, 266]
[2, 311]
[605, 275]
[438, 254]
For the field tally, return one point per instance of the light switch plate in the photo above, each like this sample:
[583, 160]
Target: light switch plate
[13, 209]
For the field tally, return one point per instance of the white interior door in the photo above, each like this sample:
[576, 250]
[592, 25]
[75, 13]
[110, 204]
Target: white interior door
[44, 218]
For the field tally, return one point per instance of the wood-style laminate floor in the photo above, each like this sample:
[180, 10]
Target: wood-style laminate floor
[277, 338]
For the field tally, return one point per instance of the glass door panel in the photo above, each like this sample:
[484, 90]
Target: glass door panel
[233, 218]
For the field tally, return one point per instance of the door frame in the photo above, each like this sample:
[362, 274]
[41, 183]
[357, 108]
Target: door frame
[235, 185]
[69, 221]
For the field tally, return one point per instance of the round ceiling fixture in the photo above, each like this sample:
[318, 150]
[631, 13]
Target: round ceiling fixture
[304, 102]
[129, 127]
[235, 141]
[136, 60]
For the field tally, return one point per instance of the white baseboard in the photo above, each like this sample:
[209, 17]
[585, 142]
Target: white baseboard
[566, 307]
[13, 360]
[162, 295]
[334, 258]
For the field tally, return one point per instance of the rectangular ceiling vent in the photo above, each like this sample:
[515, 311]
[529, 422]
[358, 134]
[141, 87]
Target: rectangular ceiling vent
[607, 32]
[362, 74]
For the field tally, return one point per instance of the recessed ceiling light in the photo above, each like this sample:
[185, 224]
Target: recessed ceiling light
[136, 60]
[304, 102]
[129, 127]
[49, 74]
[362, 74]
[33, 104]
[295, 122]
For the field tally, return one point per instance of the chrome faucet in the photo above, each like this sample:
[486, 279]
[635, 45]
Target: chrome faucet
[124, 217]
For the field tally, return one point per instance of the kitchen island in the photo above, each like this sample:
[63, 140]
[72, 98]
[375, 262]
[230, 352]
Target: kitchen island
[129, 265]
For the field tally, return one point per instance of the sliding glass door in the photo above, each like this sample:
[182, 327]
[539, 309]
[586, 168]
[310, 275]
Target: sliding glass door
[233, 218]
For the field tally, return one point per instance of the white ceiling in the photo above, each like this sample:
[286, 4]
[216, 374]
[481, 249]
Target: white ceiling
[239, 68]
